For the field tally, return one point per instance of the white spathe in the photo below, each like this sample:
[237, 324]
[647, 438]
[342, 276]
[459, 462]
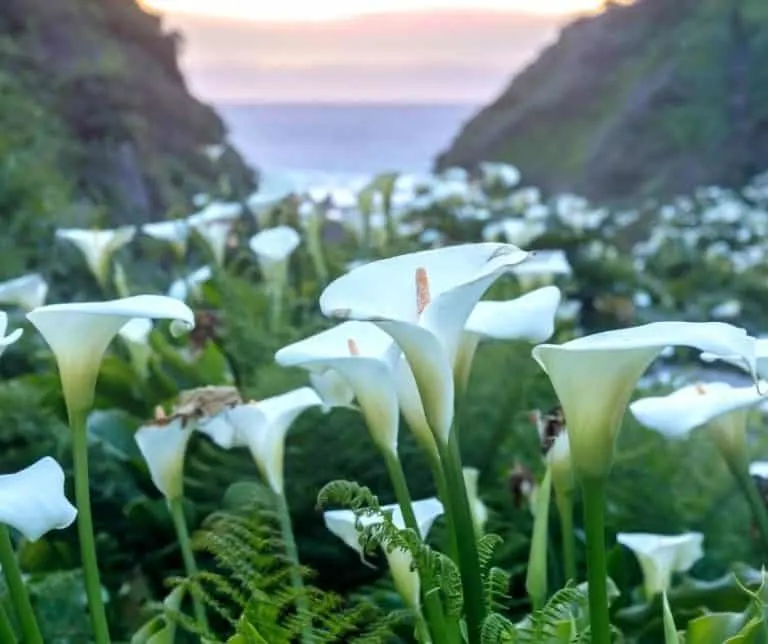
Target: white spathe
[541, 268]
[759, 469]
[476, 505]
[660, 556]
[273, 248]
[423, 300]
[98, 246]
[184, 287]
[761, 358]
[332, 388]
[262, 427]
[362, 354]
[720, 406]
[7, 340]
[530, 317]
[343, 523]
[27, 292]
[174, 232]
[33, 502]
[163, 445]
[135, 334]
[79, 333]
[594, 377]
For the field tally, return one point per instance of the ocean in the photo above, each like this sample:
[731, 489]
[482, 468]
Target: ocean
[321, 140]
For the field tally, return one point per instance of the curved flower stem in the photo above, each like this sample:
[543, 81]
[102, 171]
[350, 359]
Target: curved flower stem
[432, 604]
[597, 572]
[85, 527]
[7, 633]
[464, 530]
[292, 552]
[176, 507]
[565, 510]
[17, 590]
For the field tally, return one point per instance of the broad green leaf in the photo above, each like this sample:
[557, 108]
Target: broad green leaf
[714, 628]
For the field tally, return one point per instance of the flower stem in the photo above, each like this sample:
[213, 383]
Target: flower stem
[593, 491]
[6, 628]
[433, 607]
[565, 510]
[748, 487]
[176, 507]
[464, 529]
[292, 552]
[85, 527]
[17, 591]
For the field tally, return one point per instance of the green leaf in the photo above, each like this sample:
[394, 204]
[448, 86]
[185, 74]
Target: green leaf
[714, 628]
[536, 579]
[670, 630]
[114, 429]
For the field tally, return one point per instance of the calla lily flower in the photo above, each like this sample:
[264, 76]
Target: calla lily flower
[662, 555]
[759, 469]
[530, 317]
[423, 300]
[182, 288]
[216, 211]
[332, 388]
[33, 502]
[361, 354]
[262, 427]
[7, 340]
[135, 334]
[595, 376]
[542, 268]
[27, 292]
[79, 334]
[718, 405]
[98, 246]
[761, 357]
[216, 235]
[175, 232]
[343, 523]
[163, 444]
[476, 505]
[273, 247]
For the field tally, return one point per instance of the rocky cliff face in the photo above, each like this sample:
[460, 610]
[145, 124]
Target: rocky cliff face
[103, 81]
[648, 99]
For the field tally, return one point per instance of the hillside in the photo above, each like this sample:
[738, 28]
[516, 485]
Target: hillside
[648, 99]
[94, 108]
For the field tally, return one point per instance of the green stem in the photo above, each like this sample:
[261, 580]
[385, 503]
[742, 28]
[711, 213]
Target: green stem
[748, 487]
[292, 552]
[432, 604]
[422, 631]
[597, 572]
[442, 492]
[85, 527]
[6, 628]
[464, 529]
[565, 510]
[176, 507]
[17, 590]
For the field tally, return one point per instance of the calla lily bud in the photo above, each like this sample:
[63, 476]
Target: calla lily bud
[79, 334]
[163, 444]
[476, 505]
[33, 502]
[661, 555]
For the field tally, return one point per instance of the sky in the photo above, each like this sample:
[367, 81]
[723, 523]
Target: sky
[415, 51]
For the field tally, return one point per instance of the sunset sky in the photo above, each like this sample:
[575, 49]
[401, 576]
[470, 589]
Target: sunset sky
[361, 50]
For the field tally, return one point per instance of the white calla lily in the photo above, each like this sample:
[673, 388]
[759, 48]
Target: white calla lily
[719, 406]
[273, 248]
[332, 388]
[360, 353]
[761, 358]
[135, 334]
[98, 246]
[7, 340]
[479, 510]
[343, 523]
[216, 235]
[662, 555]
[594, 377]
[423, 300]
[542, 268]
[79, 334]
[174, 232]
[530, 317]
[759, 469]
[163, 444]
[262, 427]
[33, 502]
[27, 292]
[184, 287]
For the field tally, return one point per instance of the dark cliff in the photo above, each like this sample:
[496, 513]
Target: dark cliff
[648, 99]
[95, 86]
